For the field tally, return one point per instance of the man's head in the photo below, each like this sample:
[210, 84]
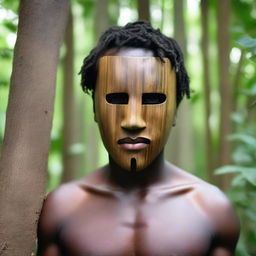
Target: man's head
[139, 34]
[134, 79]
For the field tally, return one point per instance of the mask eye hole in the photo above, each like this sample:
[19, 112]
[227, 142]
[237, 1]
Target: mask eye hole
[117, 98]
[153, 98]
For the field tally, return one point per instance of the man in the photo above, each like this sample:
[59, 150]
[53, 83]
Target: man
[138, 204]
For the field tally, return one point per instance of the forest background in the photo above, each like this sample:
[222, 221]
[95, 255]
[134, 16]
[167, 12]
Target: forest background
[216, 128]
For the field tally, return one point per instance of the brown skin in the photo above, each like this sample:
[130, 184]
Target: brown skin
[159, 211]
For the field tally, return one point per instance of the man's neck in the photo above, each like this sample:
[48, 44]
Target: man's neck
[151, 175]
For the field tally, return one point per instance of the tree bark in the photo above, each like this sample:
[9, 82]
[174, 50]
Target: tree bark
[207, 90]
[70, 158]
[143, 9]
[223, 16]
[81, 110]
[237, 80]
[162, 13]
[23, 162]
[179, 149]
[179, 24]
[92, 153]
[102, 20]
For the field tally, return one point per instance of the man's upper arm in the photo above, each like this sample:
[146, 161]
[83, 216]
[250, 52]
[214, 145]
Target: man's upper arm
[47, 228]
[222, 252]
[49, 250]
[58, 207]
[229, 229]
[226, 223]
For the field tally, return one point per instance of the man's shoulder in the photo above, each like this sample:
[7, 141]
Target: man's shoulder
[212, 202]
[58, 205]
[67, 195]
[64, 200]
[220, 210]
[180, 177]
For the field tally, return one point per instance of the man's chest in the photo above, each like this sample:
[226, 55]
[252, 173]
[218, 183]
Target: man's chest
[163, 228]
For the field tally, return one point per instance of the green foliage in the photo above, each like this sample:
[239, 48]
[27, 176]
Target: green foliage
[243, 11]
[88, 6]
[243, 189]
[10, 25]
[12, 5]
[6, 53]
[243, 186]
[249, 44]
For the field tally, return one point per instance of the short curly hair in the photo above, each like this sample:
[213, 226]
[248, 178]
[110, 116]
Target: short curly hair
[138, 34]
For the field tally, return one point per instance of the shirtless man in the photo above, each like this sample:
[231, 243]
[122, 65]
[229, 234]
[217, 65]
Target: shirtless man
[138, 204]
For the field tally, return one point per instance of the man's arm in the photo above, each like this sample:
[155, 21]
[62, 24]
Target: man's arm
[222, 252]
[47, 228]
[58, 207]
[49, 250]
[227, 237]
[226, 223]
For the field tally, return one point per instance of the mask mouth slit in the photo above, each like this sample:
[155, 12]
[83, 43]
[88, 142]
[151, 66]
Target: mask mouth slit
[133, 165]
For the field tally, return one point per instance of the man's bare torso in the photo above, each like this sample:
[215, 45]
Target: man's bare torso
[183, 217]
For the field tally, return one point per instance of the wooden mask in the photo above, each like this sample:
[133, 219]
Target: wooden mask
[135, 105]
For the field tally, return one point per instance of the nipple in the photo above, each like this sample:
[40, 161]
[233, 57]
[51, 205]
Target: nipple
[133, 165]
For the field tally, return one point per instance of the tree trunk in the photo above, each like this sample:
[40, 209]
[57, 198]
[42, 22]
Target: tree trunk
[70, 158]
[207, 90]
[101, 18]
[143, 9]
[162, 13]
[23, 162]
[179, 24]
[92, 153]
[179, 149]
[81, 110]
[223, 15]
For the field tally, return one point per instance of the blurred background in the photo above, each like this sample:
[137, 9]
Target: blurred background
[215, 133]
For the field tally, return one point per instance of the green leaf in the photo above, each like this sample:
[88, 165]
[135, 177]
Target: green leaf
[247, 42]
[251, 214]
[195, 96]
[228, 169]
[6, 53]
[88, 6]
[251, 91]
[4, 83]
[10, 25]
[253, 58]
[235, 169]
[242, 157]
[238, 181]
[250, 175]
[237, 118]
[10, 5]
[245, 138]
